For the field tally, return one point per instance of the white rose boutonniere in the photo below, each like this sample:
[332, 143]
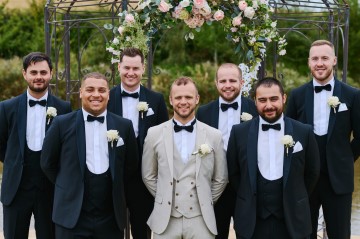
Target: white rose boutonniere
[333, 102]
[142, 107]
[203, 150]
[288, 142]
[51, 112]
[112, 135]
[245, 116]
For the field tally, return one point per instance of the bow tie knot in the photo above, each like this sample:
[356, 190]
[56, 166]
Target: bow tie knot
[319, 88]
[188, 128]
[37, 102]
[225, 107]
[91, 118]
[133, 95]
[266, 127]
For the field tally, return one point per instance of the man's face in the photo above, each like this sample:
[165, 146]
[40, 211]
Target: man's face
[38, 76]
[229, 83]
[94, 94]
[321, 61]
[269, 102]
[184, 99]
[131, 70]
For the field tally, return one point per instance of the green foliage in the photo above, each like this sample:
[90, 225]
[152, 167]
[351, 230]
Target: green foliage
[12, 82]
[354, 39]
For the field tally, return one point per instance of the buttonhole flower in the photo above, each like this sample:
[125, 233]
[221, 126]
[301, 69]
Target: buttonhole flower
[203, 150]
[287, 141]
[51, 112]
[142, 107]
[333, 102]
[245, 116]
[112, 135]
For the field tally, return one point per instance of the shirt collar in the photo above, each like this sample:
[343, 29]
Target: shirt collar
[123, 89]
[237, 99]
[331, 82]
[30, 97]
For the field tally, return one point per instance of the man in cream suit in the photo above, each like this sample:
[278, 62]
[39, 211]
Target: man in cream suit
[184, 168]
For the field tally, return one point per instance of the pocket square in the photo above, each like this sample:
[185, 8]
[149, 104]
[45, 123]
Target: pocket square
[297, 147]
[342, 107]
[149, 112]
[120, 142]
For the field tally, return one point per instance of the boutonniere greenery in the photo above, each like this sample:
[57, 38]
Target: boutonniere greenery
[112, 135]
[333, 102]
[288, 142]
[51, 112]
[245, 116]
[142, 107]
[203, 150]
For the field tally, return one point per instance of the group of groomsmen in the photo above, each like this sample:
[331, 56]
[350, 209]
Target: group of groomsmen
[78, 172]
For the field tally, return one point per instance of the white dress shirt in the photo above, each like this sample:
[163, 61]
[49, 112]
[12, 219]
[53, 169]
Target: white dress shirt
[228, 118]
[35, 123]
[129, 108]
[322, 109]
[97, 152]
[185, 141]
[271, 150]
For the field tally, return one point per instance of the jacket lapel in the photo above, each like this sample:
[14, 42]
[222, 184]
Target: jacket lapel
[252, 152]
[142, 97]
[287, 152]
[309, 103]
[50, 103]
[118, 101]
[169, 145]
[81, 140]
[332, 118]
[200, 139]
[111, 148]
[215, 115]
[22, 118]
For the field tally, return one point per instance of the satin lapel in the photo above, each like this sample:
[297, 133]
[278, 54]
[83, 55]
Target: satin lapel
[332, 119]
[81, 140]
[111, 149]
[252, 152]
[244, 106]
[215, 115]
[142, 97]
[50, 103]
[287, 155]
[200, 139]
[309, 103]
[21, 120]
[169, 145]
[118, 101]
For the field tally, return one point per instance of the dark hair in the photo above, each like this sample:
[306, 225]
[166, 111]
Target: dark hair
[268, 82]
[95, 75]
[183, 80]
[132, 52]
[34, 57]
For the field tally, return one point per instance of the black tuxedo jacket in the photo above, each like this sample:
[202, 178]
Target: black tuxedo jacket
[300, 174]
[13, 115]
[63, 160]
[341, 152]
[156, 103]
[209, 113]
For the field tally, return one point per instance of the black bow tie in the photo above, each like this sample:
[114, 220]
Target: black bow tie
[133, 95]
[266, 127]
[188, 128]
[39, 102]
[322, 87]
[225, 107]
[91, 118]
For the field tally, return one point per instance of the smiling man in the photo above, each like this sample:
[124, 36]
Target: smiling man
[222, 114]
[88, 155]
[333, 127]
[184, 168]
[23, 122]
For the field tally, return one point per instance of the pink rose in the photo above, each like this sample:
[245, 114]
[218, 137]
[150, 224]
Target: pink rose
[236, 21]
[242, 5]
[219, 15]
[199, 3]
[164, 6]
[129, 18]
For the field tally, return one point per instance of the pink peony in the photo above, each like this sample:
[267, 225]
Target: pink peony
[242, 5]
[129, 18]
[199, 3]
[164, 6]
[236, 21]
[219, 15]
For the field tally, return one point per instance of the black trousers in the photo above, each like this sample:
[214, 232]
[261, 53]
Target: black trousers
[18, 214]
[336, 210]
[91, 227]
[224, 210]
[270, 228]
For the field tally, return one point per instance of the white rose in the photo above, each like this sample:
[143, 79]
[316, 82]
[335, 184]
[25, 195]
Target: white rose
[333, 102]
[273, 24]
[116, 41]
[205, 149]
[287, 140]
[184, 3]
[249, 12]
[245, 116]
[282, 52]
[112, 135]
[142, 106]
[51, 112]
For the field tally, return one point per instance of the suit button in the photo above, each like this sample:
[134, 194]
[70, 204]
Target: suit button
[176, 207]
[169, 203]
[192, 182]
[176, 194]
[171, 183]
[177, 181]
[190, 195]
[190, 208]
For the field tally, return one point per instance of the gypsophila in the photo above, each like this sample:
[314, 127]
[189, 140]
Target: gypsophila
[51, 112]
[203, 150]
[288, 142]
[333, 102]
[142, 107]
[112, 135]
[245, 116]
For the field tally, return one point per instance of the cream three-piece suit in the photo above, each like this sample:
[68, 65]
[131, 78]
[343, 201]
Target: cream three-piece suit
[183, 189]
